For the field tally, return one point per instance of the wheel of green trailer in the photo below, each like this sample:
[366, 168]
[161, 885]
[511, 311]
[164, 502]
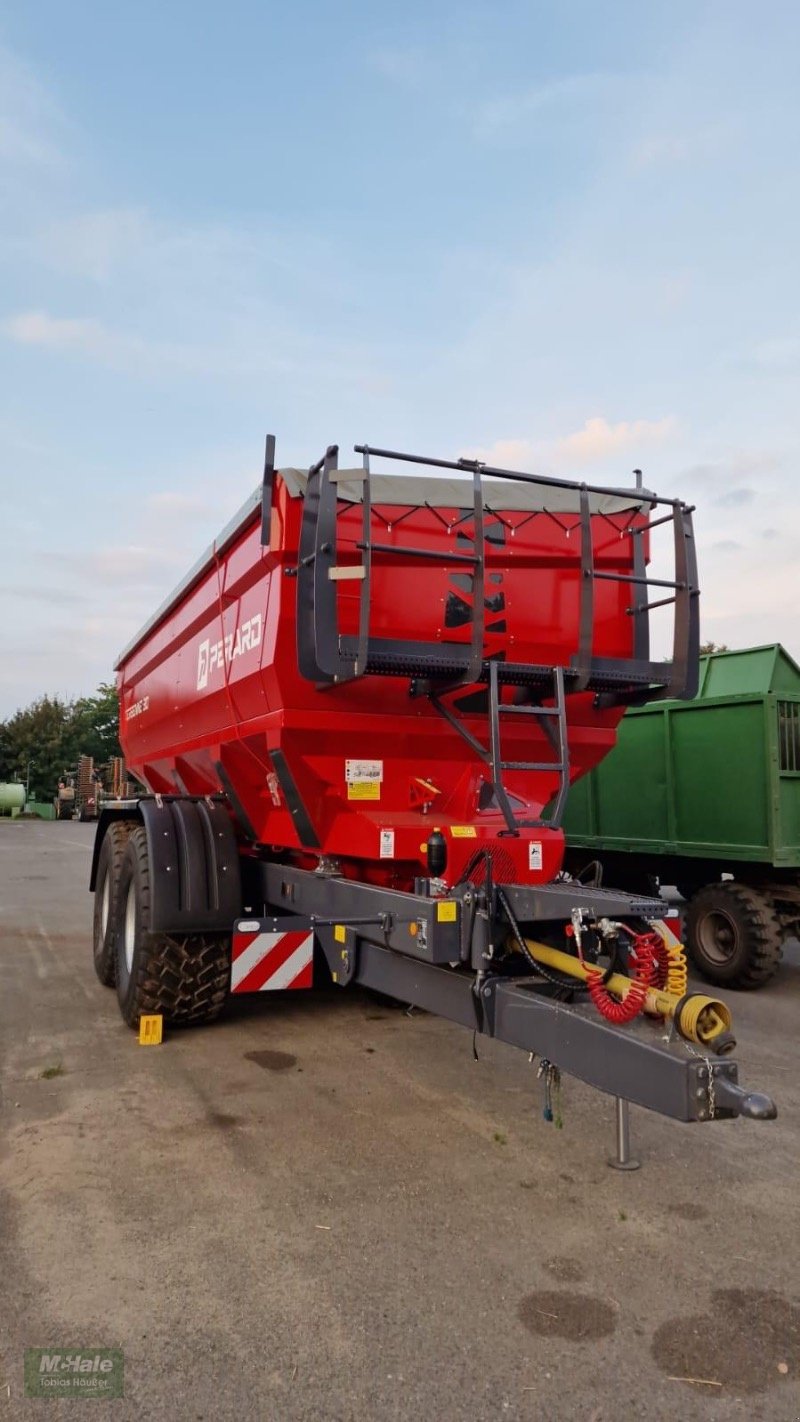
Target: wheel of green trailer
[109, 865]
[184, 977]
[734, 935]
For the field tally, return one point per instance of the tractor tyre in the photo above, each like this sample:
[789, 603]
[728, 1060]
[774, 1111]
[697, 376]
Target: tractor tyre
[109, 865]
[734, 935]
[183, 977]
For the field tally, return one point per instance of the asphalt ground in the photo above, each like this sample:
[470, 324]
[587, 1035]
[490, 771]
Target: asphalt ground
[323, 1208]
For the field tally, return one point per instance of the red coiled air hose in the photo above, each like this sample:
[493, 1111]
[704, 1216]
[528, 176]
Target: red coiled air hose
[653, 944]
[648, 965]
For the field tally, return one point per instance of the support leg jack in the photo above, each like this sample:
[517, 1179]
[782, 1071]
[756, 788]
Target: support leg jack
[622, 1159]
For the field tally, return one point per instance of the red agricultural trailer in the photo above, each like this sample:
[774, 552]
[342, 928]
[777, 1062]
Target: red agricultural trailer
[357, 719]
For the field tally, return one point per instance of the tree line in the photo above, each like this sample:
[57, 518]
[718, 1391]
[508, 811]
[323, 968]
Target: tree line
[42, 741]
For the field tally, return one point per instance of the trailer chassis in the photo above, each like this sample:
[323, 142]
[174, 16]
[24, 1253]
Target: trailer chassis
[445, 966]
[441, 952]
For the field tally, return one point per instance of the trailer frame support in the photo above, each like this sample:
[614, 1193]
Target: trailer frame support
[422, 951]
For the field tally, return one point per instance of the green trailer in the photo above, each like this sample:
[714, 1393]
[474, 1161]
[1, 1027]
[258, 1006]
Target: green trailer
[705, 794]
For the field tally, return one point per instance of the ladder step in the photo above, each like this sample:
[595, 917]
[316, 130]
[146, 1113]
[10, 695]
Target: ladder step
[533, 765]
[529, 710]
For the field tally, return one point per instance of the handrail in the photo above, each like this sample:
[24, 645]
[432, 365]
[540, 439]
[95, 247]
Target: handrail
[643, 495]
[328, 657]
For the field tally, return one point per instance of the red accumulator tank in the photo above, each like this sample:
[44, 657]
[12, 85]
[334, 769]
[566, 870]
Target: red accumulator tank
[363, 658]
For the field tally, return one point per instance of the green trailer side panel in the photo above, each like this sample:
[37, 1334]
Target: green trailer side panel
[580, 807]
[789, 800]
[718, 777]
[721, 777]
[620, 810]
[751, 670]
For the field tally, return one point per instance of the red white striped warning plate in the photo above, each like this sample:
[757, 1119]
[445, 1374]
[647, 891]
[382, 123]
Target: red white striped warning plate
[269, 956]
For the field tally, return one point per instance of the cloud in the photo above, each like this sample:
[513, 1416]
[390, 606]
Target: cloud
[495, 117]
[95, 244]
[506, 454]
[735, 498]
[721, 479]
[170, 503]
[140, 355]
[409, 68]
[29, 117]
[781, 356]
[36, 592]
[129, 565]
[698, 145]
[597, 442]
[37, 328]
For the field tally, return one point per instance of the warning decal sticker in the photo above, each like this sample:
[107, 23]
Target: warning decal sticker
[535, 854]
[363, 779]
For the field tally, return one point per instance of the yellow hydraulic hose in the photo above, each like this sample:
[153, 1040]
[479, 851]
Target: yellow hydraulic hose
[699, 1019]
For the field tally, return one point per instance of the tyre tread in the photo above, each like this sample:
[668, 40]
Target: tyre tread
[185, 977]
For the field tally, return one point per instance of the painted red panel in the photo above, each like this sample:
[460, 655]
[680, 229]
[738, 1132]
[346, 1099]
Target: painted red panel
[217, 682]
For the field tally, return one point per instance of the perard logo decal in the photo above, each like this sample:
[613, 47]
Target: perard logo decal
[213, 655]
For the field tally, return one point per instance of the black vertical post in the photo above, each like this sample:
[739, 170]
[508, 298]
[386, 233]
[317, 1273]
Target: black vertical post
[266, 490]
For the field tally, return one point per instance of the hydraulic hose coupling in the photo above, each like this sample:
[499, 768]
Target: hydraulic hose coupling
[705, 1021]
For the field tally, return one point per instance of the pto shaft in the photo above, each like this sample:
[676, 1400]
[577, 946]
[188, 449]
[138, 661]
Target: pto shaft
[698, 1018]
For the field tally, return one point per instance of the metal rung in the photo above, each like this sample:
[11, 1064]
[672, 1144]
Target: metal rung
[528, 710]
[655, 522]
[343, 574]
[632, 578]
[430, 553]
[533, 765]
[648, 606]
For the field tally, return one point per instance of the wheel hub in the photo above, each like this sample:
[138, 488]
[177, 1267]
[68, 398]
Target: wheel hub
[719, 936]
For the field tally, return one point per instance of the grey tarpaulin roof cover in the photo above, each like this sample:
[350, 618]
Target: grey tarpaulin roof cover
[454, 492]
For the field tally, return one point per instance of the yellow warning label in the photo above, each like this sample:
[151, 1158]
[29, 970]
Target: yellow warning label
[339, 933]
[463, 832]
[363, 790]
[446, 911]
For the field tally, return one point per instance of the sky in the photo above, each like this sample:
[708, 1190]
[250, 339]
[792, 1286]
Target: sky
[562, 234]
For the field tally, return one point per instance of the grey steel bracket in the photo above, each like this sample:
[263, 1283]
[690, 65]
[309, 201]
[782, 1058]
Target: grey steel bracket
[411, 924]
[533, 903]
